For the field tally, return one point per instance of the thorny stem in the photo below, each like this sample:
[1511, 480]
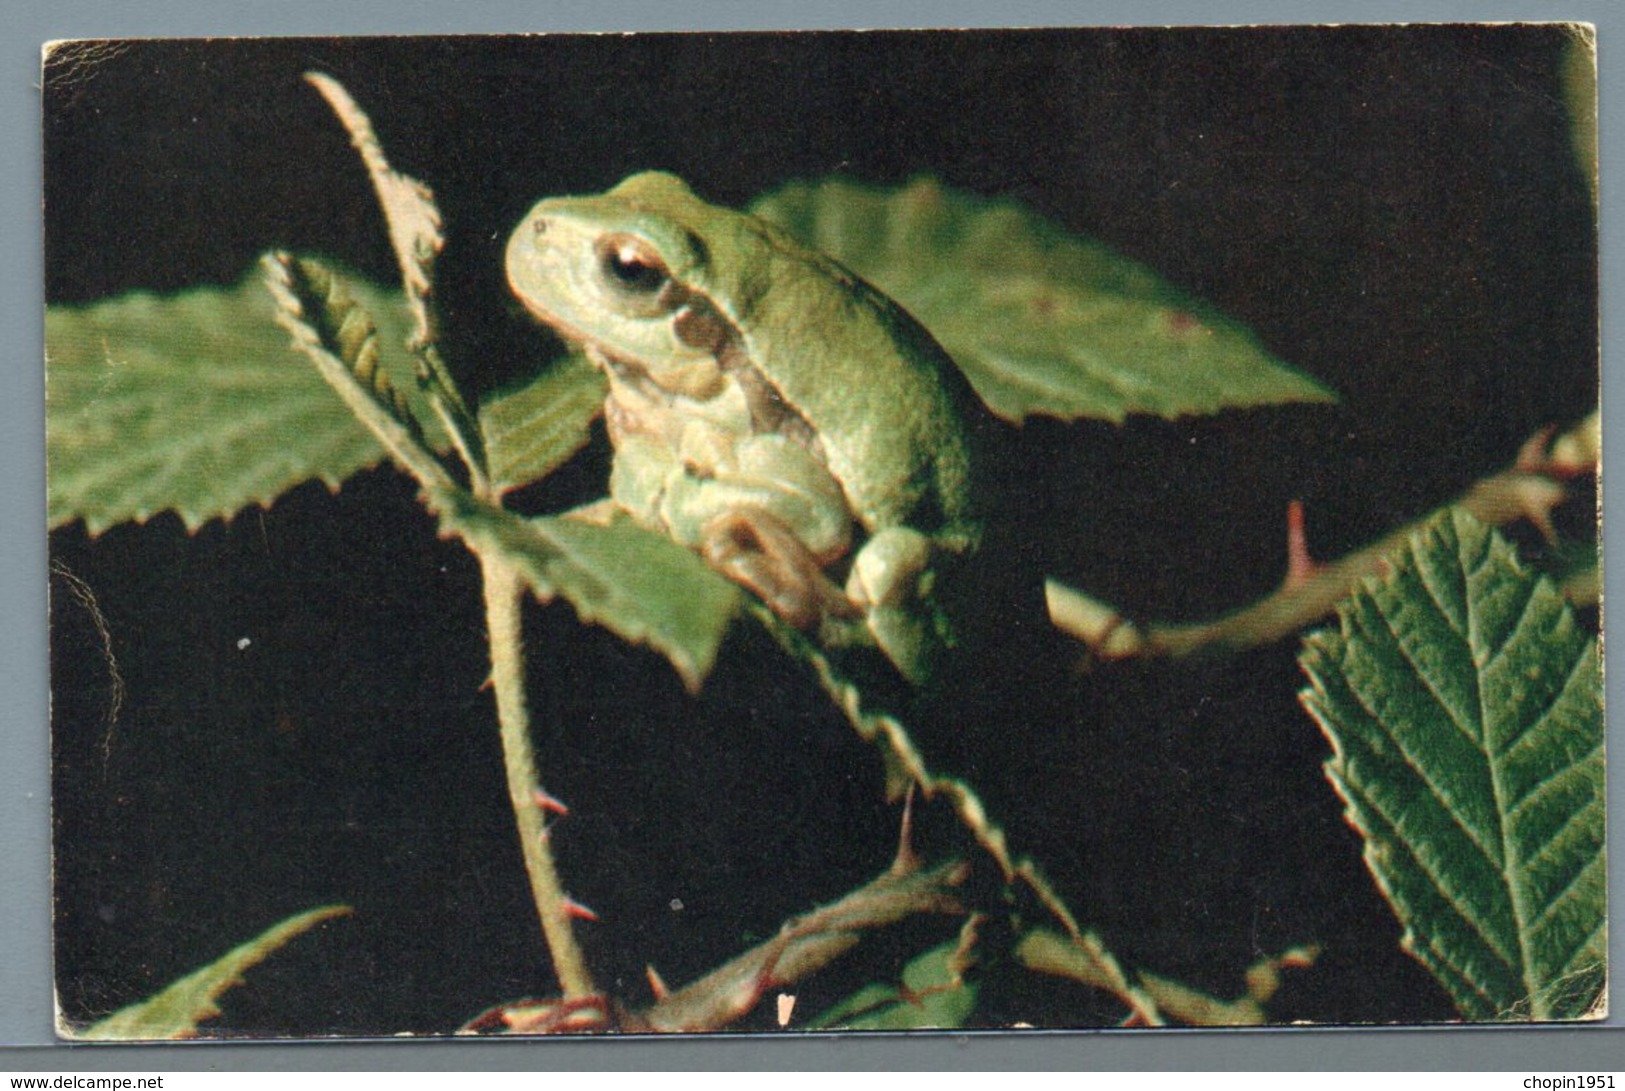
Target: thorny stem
[1530, 489]
[1044, 951]
[504, 594]
[414, 232]
[504, 589]
[805, 945]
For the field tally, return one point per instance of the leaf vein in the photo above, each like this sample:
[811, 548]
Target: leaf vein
[1559, 695]
[1511, 638]
[1416, 762]
[1556, 900]
[1444, 884]
[1530, 798]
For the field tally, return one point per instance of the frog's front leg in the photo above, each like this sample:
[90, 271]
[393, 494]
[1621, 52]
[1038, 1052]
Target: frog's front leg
[757, 549]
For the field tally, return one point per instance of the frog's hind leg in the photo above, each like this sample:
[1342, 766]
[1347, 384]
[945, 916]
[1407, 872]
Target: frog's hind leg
[893, 583]
[759, 551]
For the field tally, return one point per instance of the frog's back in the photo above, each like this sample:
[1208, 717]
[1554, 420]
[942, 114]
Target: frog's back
[863, 358]
[844, 356]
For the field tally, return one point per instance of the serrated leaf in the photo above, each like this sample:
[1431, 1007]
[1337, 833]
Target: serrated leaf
[177, 1010]
[339, 339]
[532, 429]
[640, 585]
[195, 403]
[1041, 321]
[1464, 707]
[932, 996]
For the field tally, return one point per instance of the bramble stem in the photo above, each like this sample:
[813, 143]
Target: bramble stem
[503, 598]
[1528, 489]
[414, 233]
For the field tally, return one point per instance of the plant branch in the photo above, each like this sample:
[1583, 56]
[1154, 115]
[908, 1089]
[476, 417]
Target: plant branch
[1046, 952]
[804, 946]
[414, 233]
[1529, 489]
[504, 593]
[339, 338]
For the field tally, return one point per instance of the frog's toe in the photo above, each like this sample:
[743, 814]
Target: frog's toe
[907, 637]
[888, 570]
[758, 551]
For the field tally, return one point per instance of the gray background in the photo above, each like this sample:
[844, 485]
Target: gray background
[25, 1001]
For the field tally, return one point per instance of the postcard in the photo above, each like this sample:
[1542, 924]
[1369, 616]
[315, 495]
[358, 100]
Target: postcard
[828, 531]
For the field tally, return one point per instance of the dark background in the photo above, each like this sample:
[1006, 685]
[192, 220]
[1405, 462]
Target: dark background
[1397, 212]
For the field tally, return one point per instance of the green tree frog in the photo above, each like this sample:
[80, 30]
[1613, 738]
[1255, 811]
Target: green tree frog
[767, 408]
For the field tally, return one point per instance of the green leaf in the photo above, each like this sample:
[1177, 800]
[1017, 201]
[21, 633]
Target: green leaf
[933, 995]
[1042, 322]
[532, 429]
[177, 1010]
[640, 585]
[195, 403]
[1464, 707]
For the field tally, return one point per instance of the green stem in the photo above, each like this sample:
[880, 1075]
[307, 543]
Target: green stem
[503, 598]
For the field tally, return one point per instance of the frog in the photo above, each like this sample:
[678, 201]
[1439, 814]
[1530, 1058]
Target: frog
[768, 409]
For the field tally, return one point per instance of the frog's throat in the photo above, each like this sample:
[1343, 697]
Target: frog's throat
[770, 413]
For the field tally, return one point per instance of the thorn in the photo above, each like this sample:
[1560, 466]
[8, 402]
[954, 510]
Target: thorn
[1299, 958]
[1300, 566]
[489, 1021]
[1549, 454]
[1096, 651]
[786, 1005]
[657, 984]
[907, 860]
[1533, 456]
[1577, 451]
[1106, 634]
[912, 997]
[541, 798]
[573, 908]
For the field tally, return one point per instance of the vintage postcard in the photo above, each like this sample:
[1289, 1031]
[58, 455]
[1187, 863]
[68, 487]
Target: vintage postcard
[678, 533]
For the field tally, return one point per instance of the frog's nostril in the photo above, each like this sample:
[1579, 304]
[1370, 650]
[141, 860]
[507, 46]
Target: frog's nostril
[539, 226]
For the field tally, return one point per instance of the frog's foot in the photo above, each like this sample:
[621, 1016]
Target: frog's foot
[759, 551]
[891, 582]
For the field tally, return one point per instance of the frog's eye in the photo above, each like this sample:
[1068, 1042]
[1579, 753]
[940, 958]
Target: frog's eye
[630, 267]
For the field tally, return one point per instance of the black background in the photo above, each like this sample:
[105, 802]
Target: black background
[1397, 212]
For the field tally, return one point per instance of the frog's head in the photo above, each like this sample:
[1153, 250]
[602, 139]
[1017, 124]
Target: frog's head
[615, 271]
